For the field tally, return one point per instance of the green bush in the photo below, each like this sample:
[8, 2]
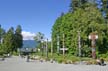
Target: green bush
[15, 53]
[60, 60]
[93, 62]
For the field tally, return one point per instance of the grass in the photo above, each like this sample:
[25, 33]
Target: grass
[60, 58]
[67, 59]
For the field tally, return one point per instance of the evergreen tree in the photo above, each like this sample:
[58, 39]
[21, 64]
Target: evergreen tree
[87, 20]
[39, 37]
[18, 37]
[105, 9]
[74, 5]
[2, 33]
[8, 41]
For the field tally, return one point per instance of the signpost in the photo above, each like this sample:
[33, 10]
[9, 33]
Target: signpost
[93, 37]
[64, 49]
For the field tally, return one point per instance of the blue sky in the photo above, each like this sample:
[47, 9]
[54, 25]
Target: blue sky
[33, 15]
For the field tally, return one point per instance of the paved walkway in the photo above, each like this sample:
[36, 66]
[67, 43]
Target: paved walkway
[19, 64]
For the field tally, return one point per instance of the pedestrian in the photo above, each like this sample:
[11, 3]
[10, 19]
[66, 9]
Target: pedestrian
[98, 61]
[102, 62]
[28, 57]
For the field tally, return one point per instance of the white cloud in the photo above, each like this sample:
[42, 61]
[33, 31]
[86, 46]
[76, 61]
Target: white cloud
[27, 35]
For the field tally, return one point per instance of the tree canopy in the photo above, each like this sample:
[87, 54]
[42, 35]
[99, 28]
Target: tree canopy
[86, 18]
[11, 40]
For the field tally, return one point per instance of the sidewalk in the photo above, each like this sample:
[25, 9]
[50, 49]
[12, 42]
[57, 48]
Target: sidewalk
[20, 64]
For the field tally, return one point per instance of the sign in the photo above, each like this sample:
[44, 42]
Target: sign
[63, 48]
[93, 37]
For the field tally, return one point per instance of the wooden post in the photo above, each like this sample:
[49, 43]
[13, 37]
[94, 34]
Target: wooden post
[42, 47]
[63, 45]
[93, 48]
[51, 47]
[64, 49]
[58, 48]
[0, 34]
[93, 38]
[79, 43]
[47, 48]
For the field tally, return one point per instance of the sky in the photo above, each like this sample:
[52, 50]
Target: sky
[33, 15]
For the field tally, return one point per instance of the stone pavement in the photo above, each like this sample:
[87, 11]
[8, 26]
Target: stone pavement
[20, 64]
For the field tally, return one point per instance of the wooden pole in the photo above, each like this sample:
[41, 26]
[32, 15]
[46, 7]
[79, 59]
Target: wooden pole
[79, 43]
[0, 33]
[47, 48]
[51, 47]
[63, 45]
[58, 48]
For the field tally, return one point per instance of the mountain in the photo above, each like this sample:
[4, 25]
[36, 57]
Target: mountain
[29, 43]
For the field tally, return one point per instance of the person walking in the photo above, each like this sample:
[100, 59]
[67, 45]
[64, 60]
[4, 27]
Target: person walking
[28, 57]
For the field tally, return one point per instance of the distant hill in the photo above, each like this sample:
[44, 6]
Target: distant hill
[29, 43]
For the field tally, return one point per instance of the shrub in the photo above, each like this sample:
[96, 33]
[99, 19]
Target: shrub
[15, 53]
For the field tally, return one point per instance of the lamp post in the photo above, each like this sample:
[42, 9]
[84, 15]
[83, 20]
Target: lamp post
[93, 36]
